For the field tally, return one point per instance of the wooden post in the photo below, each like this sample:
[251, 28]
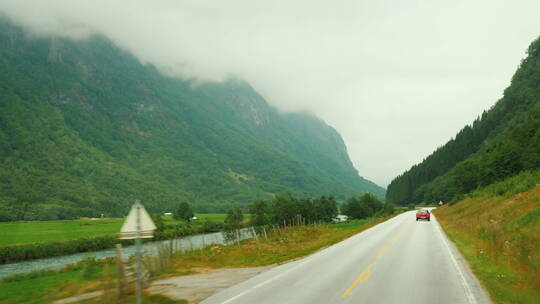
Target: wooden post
[255, 233]
[264, 231]
[105, 284]
[224, 238]
[238, 236]
[120, 264]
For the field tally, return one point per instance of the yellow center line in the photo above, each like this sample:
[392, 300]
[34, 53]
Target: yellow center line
[366, 277]
[395, 237]
[382, 251]
[360, 277]
[366, 274]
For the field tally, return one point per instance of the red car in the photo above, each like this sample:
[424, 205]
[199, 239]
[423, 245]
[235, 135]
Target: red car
[423, 215]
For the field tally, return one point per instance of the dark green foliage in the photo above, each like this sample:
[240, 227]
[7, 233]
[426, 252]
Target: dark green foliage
[86, 129]
[365, 206]
[503, 142]
[259, 213]
[286, 209]
[388, 208]
[325, 208]
[91, 268]
[234, 219]
[158, 221]
[40, 250]
[210, 226]
[183, 212]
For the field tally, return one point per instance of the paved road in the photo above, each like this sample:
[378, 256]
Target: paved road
[399, 261]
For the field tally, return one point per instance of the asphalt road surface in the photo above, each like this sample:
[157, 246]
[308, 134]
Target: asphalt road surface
[399, 261]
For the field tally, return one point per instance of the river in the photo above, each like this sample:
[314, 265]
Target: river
[186, 243]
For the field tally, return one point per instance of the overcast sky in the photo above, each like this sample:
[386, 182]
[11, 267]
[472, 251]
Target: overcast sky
[396, 78]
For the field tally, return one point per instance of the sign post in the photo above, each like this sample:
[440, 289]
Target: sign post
[137, 225]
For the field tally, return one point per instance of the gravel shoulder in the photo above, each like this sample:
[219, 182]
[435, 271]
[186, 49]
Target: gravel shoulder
[197, 287]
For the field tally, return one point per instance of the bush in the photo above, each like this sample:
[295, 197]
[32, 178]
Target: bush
[24, 252]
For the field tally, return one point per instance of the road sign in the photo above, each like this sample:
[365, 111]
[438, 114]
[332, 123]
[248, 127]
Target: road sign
[147, 226]
[137, 225]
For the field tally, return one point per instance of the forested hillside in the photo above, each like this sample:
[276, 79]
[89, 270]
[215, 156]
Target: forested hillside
[85, 129]
[503, 141]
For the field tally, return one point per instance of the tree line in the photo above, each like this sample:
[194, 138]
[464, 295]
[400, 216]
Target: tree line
[286, 208]
[503, 141]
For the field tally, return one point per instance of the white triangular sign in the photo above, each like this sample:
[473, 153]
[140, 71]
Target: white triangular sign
[129, 229]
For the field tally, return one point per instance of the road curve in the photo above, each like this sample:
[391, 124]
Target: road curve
[399, 261]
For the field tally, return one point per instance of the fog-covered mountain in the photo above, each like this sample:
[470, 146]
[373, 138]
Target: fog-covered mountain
[85, 129]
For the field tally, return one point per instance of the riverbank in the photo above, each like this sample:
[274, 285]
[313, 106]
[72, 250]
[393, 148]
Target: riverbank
[21, 241]
[282, 245]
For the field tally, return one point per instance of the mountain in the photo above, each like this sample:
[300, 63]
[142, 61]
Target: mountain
[502, 142]
[86, 129]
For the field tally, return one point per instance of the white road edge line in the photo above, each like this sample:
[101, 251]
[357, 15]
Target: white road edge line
[468, 292]
[265, 282]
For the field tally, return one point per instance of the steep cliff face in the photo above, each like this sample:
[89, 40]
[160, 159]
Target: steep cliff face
[85, 129]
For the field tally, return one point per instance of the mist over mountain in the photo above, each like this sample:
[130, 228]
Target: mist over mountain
[85, 129]
[502, 142]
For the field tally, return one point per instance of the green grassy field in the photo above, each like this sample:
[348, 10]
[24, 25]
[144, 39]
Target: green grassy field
[31, 232]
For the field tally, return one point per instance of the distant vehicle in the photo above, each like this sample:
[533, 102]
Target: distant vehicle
[194, 218]
[167, 213]
[423, 215]
[340, 218]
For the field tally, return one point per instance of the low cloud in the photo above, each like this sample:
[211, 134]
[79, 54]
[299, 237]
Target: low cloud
[396, 78]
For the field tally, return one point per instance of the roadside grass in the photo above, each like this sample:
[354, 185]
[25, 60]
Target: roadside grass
[38, 289]
[49, 285]
[54, 286]
[497, 229]
[147, 299]
[282, 245]
[18, 233]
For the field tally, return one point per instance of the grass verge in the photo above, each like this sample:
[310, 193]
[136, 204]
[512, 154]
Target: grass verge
[281, 246]
[499, 235]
